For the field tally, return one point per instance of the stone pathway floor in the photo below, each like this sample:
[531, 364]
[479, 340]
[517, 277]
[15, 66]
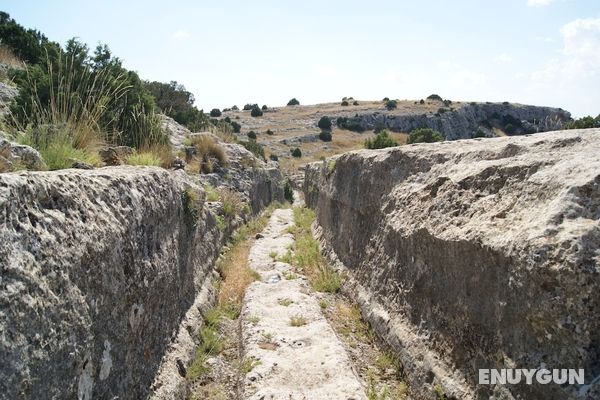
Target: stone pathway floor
[291, 351]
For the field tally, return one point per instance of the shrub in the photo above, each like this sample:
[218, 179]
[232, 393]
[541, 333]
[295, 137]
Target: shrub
[355, 103]
[251, 135]
[424, 135]
[296, 152]
[583, 123]
[273, 157]
[215, 112]
[269, 132]
[324, 123]
[231, 203]
[256, 112]
[288, 191]
[386, 99]
[249, 106]
[447, 103]
[254, 147]
[441, 110]
[352, 124]
[175, 101]
[235, 108]
[209, 153]
[510, 129]
[264, 107]
[189, 202]
[391, 104]
[434, 97]
[421, 101]
[236, 126]
[325, 136]
[380, 141]
[345, 103]
[293, 102]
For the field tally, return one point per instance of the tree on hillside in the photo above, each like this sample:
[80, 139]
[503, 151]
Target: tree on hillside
[380, 141]
[293, 102]
[424, 135]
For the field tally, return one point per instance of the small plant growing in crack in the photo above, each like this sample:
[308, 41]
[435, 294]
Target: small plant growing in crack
[289, 275]
[285, 302]
[297, 320]
[248, 364]
[254, 320]
[323, 304]
[267, 336]
[273, 255]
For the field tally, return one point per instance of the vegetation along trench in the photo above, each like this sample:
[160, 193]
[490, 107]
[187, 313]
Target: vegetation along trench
[282, 329]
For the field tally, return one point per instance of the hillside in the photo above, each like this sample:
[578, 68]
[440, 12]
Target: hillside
[296, 126]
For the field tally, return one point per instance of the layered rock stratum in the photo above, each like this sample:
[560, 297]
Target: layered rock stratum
[480, 253]
[102, 271]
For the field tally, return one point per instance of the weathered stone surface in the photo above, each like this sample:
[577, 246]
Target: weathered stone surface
[104, 274]
[15, 154]
[7, 93]
[115, 155]
[177, 132]
[472, 254]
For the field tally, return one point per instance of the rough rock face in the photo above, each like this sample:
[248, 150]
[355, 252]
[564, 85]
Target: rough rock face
[177, 132]
[99, 268]
[7, 93]
[473, 254]
[14, 155]
[465, 121]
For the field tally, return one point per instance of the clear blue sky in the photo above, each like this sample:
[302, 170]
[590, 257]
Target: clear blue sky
[544, 52]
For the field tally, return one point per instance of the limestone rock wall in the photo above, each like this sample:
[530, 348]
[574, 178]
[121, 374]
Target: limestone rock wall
[473, 254]
[464, 122]
[98, 270]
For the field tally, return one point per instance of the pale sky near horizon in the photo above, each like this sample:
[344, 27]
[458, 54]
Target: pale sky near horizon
[542, 52]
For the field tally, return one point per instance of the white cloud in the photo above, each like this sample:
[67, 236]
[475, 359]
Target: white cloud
[580, 55]
[181, 35]
[538, 3]
[504, 58]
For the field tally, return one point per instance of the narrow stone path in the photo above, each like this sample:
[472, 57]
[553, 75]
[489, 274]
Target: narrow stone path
[291, 351]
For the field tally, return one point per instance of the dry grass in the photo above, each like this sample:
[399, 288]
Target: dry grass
[297, 320]
[7, 57]
[235, 273]
[210, 154]
[231, 202]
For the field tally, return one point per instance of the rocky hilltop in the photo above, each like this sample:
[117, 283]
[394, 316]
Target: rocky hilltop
[100, 269]
[472, 254]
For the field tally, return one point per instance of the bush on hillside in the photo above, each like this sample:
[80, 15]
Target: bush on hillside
[583, 123]
[293, 102]
[296, 152]
[251, 135]
[249, 106]
[215, 112]
[434, 97]
[236, 127]
[174, 100]
[355, 103]
[424, 135]
[391, 104]
[264, 107]
[273, 157]
[269, 132]
[351, 124]
[256, 112]
[255, 147]
[345, 103]
[380, 141]
[325, 136]
[324, 123]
